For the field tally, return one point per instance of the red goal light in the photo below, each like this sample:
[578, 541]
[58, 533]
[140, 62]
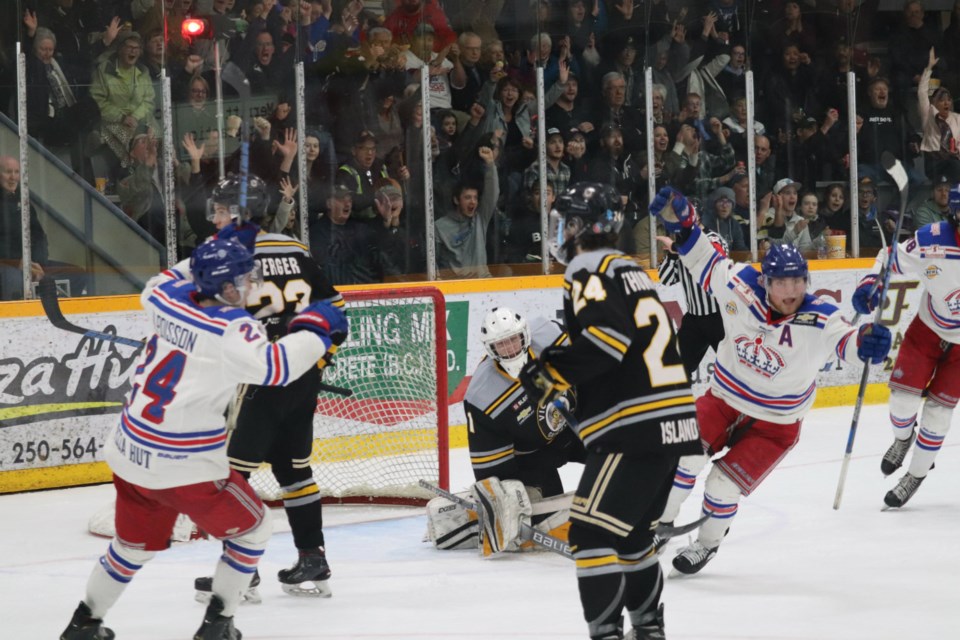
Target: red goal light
[195, 28]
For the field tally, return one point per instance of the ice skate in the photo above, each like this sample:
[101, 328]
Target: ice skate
[691, 559]
[893, 458]
[83, 626]
[900, 494]
[650, 629]
[204, 587]
[216, 626]
[309, 576]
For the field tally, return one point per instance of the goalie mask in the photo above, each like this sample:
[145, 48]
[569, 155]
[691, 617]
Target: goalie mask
[226, 199]
[587, 209]
[506, 337]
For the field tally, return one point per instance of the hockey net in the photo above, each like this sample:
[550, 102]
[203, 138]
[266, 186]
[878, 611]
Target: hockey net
[374, 446]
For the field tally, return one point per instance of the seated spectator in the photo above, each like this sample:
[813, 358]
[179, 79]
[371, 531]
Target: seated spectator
[200, 119]
[718, 217]
[765, 164]
[523, 240]
[363, 174]
[575, 155]
[790, 89]
[736, 122]
[834, 211]
[11, 235]
[666, 165]
[570, 110]
[267, 72]
[613, 164]
[621, 57]
[462, 232]
[871, 239]
[941, 127]
[789, 227]
[422, 52]
[50, 100]
[613, 109]
[817, 227]
[732, 78]
[123, 90]
[740, 183]
[712, 170]
[936, 208]
[816, 159]
[558, 173]
[467, 78]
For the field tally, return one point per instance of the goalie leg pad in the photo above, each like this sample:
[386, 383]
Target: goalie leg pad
[501, 505]
[452, 526]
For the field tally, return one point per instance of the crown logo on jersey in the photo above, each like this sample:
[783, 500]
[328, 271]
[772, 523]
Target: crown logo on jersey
[953, 302]
[759, 357]
[932, 272]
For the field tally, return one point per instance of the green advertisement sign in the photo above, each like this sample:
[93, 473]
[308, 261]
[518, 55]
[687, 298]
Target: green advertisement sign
[458, 315]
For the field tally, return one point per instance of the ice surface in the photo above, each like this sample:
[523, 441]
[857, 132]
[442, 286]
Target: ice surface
[791, 568]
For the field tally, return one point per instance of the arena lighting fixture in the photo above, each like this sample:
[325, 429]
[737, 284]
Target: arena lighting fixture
[192, 28]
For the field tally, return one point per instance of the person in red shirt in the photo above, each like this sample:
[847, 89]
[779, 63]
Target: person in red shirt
[410, 13]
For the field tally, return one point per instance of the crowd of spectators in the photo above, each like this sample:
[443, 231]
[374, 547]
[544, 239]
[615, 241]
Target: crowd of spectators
[94, 69]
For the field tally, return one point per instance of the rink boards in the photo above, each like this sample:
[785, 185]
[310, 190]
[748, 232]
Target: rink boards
[60, 392]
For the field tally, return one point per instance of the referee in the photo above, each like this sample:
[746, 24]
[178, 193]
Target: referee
[701, 326]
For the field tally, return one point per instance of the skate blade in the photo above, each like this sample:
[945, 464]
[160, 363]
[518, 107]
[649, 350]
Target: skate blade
[887, 507]
[308, 589]
[252, 596]
[676, 574]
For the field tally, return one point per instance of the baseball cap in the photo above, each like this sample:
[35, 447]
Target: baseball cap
[365, 136]
[340, 191]
[424, 28]
[940, 179]
[553, 131]
[737, 177]
[807, 122]
[784, 183]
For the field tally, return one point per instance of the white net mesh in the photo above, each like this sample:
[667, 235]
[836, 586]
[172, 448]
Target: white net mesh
[378, 443]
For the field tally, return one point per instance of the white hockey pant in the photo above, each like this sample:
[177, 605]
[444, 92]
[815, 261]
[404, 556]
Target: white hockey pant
[238, 563]
[721, 499]
[934, 425]
[683, 482]
[112, 574]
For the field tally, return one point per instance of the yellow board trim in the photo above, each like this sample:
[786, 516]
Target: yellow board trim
[37, 409]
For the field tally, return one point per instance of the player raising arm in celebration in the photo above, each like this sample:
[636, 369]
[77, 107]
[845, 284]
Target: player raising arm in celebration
[928, 361]
[275, 424]
[168, 451]
[635, 414]
[777, 337]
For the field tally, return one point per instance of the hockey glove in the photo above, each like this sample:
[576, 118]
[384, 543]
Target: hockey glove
[324, 319]
[672, 208]
[245, 233]
[542, 381]
[873, 343]
[867, 296]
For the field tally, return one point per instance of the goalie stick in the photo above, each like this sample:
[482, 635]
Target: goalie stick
[899, 175]
[47, 288]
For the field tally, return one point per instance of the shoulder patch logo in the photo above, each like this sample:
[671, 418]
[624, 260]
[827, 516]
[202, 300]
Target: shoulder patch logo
[731, 308]
[806, 319]
[953, 302]
[932, 272]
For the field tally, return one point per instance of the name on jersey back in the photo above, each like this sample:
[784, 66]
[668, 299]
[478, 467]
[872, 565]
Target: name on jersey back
[280, 266]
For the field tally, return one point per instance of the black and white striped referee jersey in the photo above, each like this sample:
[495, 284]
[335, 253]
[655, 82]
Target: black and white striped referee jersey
[672, 271]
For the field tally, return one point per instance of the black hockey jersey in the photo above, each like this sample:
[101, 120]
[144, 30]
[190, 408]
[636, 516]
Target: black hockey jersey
[634, 395]
[502, 421]
[291, 280]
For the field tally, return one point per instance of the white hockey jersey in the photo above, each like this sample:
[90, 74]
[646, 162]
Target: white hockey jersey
[932, 256]
[766, 368]
[172, 430]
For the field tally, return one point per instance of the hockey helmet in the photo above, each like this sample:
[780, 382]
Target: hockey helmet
[223, 269]
[587, 209]
[228, 192]
[784, 261]
[506, 337]
[954, 204]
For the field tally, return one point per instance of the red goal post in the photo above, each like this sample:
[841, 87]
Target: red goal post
[376, 445]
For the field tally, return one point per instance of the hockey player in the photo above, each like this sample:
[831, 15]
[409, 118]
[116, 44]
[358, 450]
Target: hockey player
[275, 424]
[168, 451]
[777, 337]
[635, 412]
[928, 362]
[509, 434]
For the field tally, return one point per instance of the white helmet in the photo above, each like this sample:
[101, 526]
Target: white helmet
[506, 337]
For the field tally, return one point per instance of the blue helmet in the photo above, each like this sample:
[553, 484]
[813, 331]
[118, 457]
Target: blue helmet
[954, 203]
[784, 261]
[220, 269]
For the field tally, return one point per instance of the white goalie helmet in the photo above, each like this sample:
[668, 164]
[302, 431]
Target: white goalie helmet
[506, 337]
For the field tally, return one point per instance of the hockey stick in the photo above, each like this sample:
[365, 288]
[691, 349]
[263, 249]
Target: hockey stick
[527, 532]
[896, 171]
[47, 288]
[669, 531]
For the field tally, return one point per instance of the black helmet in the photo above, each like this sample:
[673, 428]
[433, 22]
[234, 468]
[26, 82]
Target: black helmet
[588, 209]
[228, 191]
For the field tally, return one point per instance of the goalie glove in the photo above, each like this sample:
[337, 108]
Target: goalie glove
[542, 381]
[501, 506]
